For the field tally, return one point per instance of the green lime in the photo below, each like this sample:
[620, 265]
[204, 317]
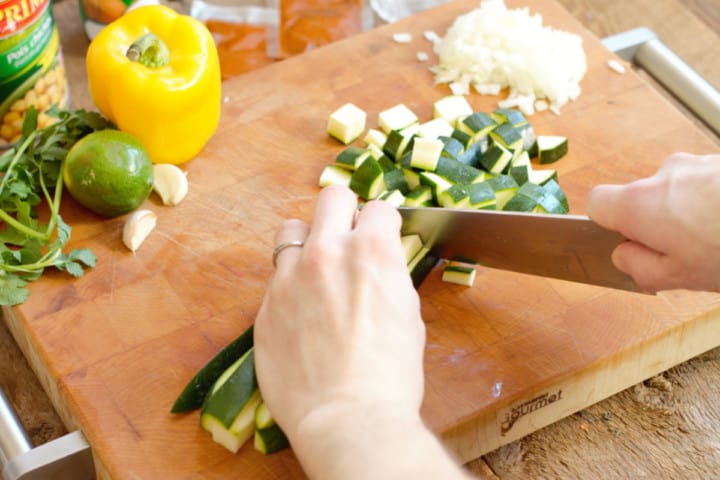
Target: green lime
[108, 172]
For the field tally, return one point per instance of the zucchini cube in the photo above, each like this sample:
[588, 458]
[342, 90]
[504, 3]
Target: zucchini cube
[396, 118]
[451, 108]
[347, 123]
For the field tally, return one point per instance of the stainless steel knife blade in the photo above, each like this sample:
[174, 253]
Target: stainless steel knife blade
[567, 247]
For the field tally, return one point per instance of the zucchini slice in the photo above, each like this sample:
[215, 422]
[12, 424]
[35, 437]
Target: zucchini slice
[482, 196]
[478, 125]
[551, 148]
[507, 136]
[375, 137]
[368, 181]
[496, 159]
[426, 153]
[412, 244]
[194, 393]
[228, 412]
[541, 177]
[451, 108]
[393, 197]
[352, 157]
[505, 187]
[421, 195]
[459, 274]
[458, 172]
[435, 128]
[396, 118]
[269, 437]
[456, 196]
[335, 175]
[347, 123]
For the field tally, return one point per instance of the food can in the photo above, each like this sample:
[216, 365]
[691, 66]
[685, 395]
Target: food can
[31, 65]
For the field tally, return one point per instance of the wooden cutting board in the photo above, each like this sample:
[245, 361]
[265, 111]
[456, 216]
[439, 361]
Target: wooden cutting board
[504, 358]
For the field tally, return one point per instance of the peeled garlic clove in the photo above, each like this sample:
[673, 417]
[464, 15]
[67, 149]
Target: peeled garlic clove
[138, 227]
[170, 183]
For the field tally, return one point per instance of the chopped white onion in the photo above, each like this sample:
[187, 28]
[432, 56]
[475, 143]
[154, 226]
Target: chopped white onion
[422, 56]
[616, 66]
[402, 37]
[493, 47]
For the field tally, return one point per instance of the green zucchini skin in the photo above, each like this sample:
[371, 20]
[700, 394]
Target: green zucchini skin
[194, 393]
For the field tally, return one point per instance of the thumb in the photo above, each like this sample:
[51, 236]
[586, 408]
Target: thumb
[651, 270]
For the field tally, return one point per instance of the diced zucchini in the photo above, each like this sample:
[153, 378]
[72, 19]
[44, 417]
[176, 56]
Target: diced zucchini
[541, 177]
[411, 177]
[473, 154]
[459, 274]
[421, 266]
[550, 204]
[435, 128]
[375, 151]
[419, 196]
[393, 197]
[194, 393]
[228, 411]
[458, 172]
[396, 118]
[426, 153]
[395, 180]
[477, 125]
[521, 174]
[507, 136]
[347, 123]
[451, 108]
[269, 437]
[481, 196]
[397, 144]
[528, 135]
[496, 159]
[504, 187]
[437, 183]
[352, 157]
[412, 244]
[453, 147]
[335, 175]
[509, 115]
[553, 188]
[368, 181]
[457, 196]
[375, 137]
[465, 139]
[521, 157]
[551, 148]
[534, 198]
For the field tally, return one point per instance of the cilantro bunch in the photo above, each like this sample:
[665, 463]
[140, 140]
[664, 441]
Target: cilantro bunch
[30, 173]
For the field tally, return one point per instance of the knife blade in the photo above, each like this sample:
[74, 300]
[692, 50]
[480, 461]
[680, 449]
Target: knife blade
[567, 247]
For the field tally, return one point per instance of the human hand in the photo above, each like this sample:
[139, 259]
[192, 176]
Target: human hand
[671, 222]
[340, 325]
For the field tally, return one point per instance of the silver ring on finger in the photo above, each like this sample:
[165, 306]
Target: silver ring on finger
[283, 246]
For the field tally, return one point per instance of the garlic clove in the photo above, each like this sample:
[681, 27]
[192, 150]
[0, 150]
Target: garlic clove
[170, 183]
[138, 227]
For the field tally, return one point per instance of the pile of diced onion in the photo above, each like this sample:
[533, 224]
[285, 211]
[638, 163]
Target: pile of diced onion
[493, 47]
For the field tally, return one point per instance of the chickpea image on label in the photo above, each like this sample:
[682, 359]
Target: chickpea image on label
[49, 90]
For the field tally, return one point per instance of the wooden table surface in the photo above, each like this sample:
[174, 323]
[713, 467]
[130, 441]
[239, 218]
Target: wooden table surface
[663, 428]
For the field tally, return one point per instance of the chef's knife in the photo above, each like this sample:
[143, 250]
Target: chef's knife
[568, 247]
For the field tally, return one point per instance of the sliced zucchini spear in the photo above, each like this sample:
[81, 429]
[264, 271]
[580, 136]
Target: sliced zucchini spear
[269, 437]
[228, 412]
[194, 393]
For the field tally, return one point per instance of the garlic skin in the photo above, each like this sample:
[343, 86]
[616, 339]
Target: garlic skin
[137, 228]
[170, 183]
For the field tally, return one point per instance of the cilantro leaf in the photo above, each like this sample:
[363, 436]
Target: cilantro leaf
[12, 290]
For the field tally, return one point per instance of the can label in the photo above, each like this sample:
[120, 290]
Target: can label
[31, 67]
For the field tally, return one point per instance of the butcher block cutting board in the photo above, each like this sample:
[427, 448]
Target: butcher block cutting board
[503, 358]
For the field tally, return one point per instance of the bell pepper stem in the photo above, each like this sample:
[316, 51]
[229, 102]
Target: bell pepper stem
[149, 50]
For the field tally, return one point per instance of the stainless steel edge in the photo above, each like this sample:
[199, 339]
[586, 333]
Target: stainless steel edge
[66, 458]
[643, 47]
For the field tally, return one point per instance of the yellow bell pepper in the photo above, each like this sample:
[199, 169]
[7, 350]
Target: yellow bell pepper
[156, 74]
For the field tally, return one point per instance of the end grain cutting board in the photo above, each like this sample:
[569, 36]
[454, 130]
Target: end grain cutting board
[505, 357]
